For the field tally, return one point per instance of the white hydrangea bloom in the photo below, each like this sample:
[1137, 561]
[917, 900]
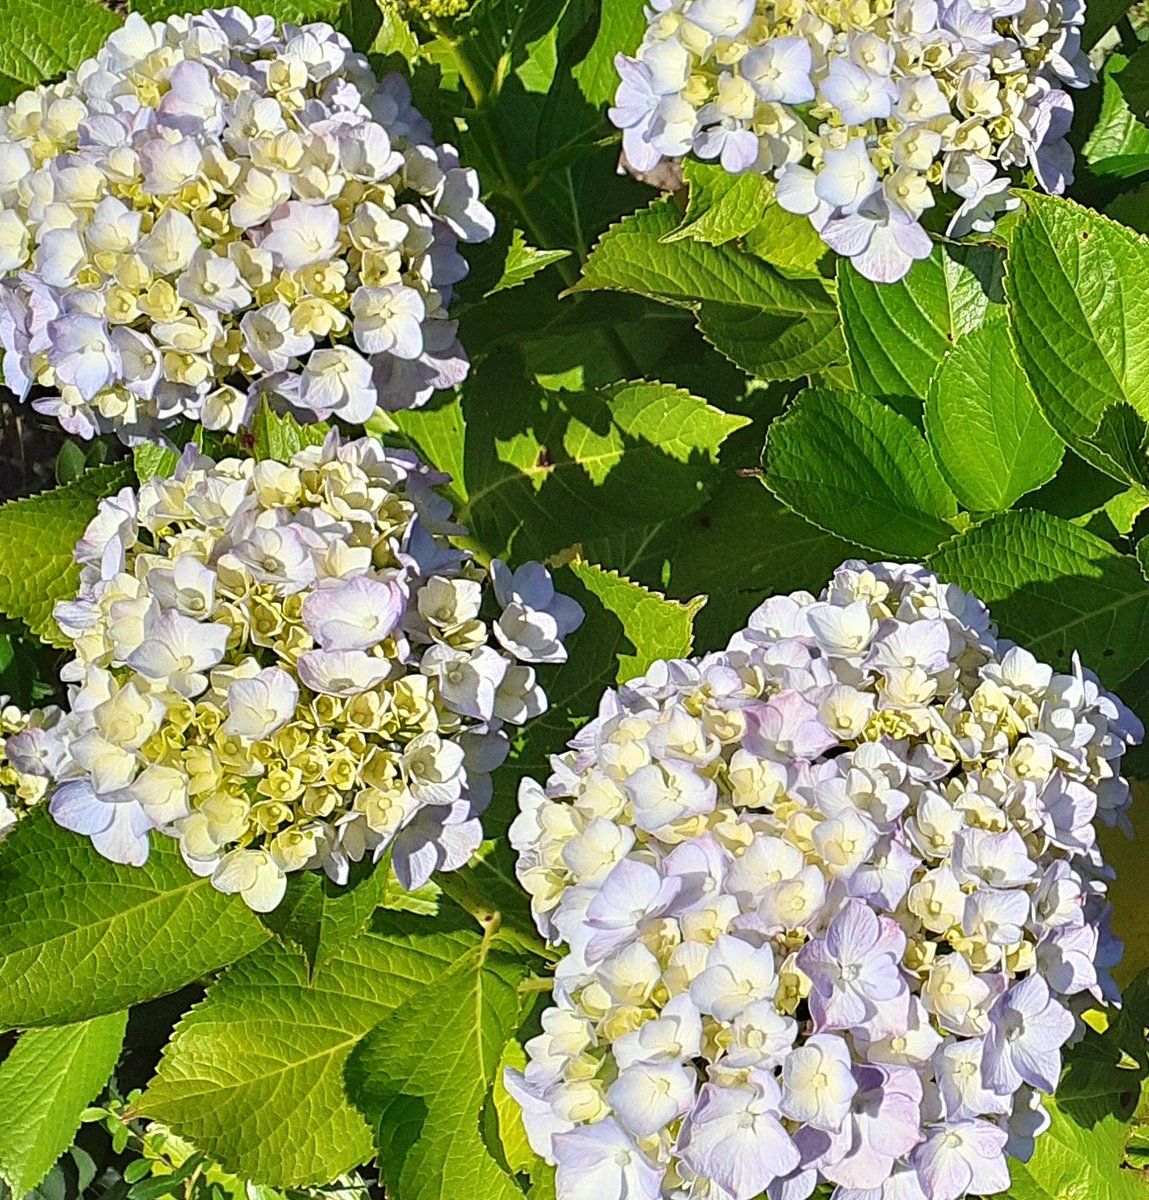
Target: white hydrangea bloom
[862, 113]
[30, 753]
[832, 899]
[286, 666]
[212, 210]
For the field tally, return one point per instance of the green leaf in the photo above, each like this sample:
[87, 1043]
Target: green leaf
[543, 1187]
[509, 1115]
[1119, 143]
[899, 333]
[853, 466]
[1055, 588]
[296, 11]
[523, 262]
[1078, 289]
[537, 70]
[621, 24]
[769, 346]
[41, 39]
[1074, 1160]
[157, 460]
[1131, 208]
[655, 627]
[1100, 17]
[395, 35]
[278, 436]
[491, 39]
[422, 1084]
[439, 433]
[1117, 516]
[70, 462]
[153, 461]
[773, 327]
[984, 426]
[46, 1082]
[81, 936]
[721, 206]
[785, 240]
[738, 572]
[40, 534]
[1120, 445]
[632, 257]
[253, 1075]
[1104, 1070]
[538, 471]
[1133, 80]
[137, 1170]
[487, 885]
[320, 917]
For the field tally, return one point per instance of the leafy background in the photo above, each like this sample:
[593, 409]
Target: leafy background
[674, 396]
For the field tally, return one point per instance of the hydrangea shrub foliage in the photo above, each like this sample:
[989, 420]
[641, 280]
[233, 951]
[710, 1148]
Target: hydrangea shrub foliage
[432, 760]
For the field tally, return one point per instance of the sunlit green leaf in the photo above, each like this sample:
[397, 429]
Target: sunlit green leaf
[1056, 589]
[46, 1082]
[856, 468]
[40, 534]
[81, 936]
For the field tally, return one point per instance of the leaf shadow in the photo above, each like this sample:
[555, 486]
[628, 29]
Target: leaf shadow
[545, 470]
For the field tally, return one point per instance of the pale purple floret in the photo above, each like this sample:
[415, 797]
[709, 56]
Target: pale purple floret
[735, 1137]
[1066, 959]
[884, 1125]
[901, 646]
[885, 879]
[780, 70]
[903, 1184]
[860, 95]
[957, 1069]
[962, 1158]
[438, 838]
[602, 1162]
[854, 970]
[881, 241]
[787, 727]
[1069, 809]
[635, 106]
[116, 822]
[632, 893]
[1028, 1027]
[1052, 157]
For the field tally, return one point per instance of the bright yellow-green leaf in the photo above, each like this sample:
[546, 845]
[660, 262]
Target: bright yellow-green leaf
[40, 534]
[254, 1074]
[81, 936]
[46, 1082]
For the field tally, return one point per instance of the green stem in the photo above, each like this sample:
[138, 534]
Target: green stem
[507, 185]
[1129, 42]
[467, 73]
[482, 99]
[535, 983]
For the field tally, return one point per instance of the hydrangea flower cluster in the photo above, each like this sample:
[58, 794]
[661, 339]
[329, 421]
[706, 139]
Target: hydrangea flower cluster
[861, 111]
[29, 753]
[833, 903]
[284, 666]
[209, 211]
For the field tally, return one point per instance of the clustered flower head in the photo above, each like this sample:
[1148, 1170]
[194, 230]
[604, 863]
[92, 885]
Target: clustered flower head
[29, 753]
[287, 666]
[833, 903]
[862, 110]
[209, 211]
